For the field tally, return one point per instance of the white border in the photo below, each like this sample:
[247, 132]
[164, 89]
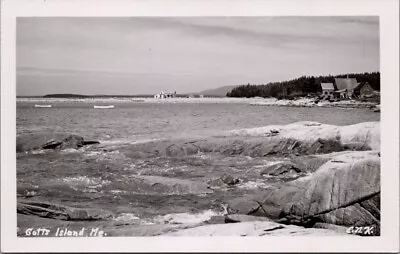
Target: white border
[388, 12]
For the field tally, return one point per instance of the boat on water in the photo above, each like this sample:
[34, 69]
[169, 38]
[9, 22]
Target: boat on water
[42, 106]
[109, 106]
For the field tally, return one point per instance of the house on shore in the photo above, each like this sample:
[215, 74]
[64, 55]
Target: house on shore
[345, 87]
[163, 95]
[364, 89]
[348, 88]
[327, 90]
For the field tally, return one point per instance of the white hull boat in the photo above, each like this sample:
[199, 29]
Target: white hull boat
[42, 106]
[110, 106]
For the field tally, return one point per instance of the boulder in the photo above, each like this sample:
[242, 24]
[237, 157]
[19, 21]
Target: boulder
[295, 167]
[223, 181]
[308, 163]
[343, 191]
[60, 212]
[230, 180]
[50, 141]
[282, 169]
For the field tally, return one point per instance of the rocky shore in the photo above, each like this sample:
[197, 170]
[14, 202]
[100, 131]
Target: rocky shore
[313, 102]
[313, 179]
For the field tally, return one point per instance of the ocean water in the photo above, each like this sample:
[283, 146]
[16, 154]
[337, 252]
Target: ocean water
[109, 180]
[144, 121]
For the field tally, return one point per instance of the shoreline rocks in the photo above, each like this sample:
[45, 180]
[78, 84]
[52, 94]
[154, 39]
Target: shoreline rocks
[312, 102]
[60, 212]
[361, 136]
[54, 141]
[376, 108]
[300, 138]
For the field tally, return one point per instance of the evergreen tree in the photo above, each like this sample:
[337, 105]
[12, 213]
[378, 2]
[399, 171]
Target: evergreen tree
[300, 86]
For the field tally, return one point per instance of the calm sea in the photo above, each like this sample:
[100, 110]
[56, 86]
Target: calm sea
[142, 121]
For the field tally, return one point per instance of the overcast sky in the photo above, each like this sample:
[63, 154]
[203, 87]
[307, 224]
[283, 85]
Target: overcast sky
[146, 55]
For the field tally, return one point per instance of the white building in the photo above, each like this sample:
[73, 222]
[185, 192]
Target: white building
[163, 95]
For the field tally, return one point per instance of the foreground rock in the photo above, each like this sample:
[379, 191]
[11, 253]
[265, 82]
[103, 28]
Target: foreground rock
[50, 141]
[251, 228]
[237, 225]
[343, 191]
[301, 138]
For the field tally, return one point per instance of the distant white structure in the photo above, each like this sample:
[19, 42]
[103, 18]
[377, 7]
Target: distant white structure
[163, 95]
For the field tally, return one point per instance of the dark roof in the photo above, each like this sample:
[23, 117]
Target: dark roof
[346, 83]
[363, 84]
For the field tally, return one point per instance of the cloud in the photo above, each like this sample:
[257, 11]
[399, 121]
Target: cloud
[270, 32]
[262, 31]
[205, 52]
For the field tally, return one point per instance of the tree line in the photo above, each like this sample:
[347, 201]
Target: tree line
[300, 86]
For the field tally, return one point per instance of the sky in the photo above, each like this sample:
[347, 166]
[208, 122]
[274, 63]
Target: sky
[145, 55]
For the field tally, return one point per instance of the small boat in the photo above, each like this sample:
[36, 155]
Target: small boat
[42, 106]
[109, 106]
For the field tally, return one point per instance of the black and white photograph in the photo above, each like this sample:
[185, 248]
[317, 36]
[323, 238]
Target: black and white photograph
[199, 126]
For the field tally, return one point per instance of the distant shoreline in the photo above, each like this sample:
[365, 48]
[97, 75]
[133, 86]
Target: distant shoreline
[301, 102]
[81, 96]
[138, 99]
